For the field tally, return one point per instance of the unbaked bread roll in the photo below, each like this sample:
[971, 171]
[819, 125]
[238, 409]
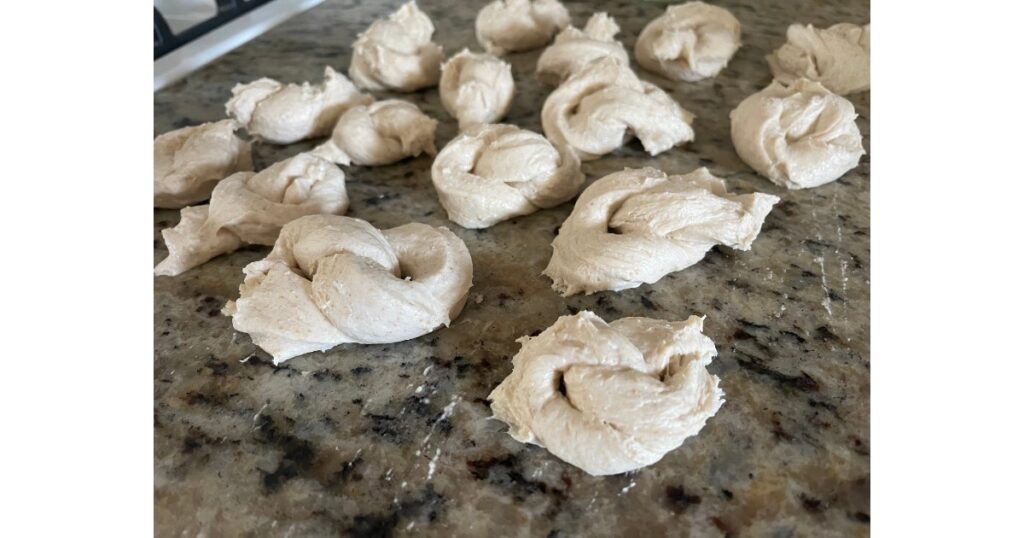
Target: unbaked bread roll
[574, 48]
[188, 162]
[604, 104]
[798, 136]
[636, 226]
[476, 88]
[252, 208]
[492, 173]
[839, 57]
[380, 134]
[518, 25]
[396, 53]
[610, 397]
[690, 42]
[333, 280]
[287, 113]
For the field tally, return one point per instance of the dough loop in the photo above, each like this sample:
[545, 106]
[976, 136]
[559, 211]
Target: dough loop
[188, 162]
[517, 25]
[574, 48]
[382, 133]
[476, 88]
[838, 57]
[690, 42]
[396, 53]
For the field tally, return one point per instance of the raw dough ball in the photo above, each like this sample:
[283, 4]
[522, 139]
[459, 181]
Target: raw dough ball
[573, 49]
[284, 114]
[798, 137]
[188, 162]
[690, 42]
[492, 173]
[476, 88]
[838, 57]
[396, 53]
[636, 226]
[518, 25]
[252, 208]
[333, 280]
[603, 105]
[634, 389]
[382, 133]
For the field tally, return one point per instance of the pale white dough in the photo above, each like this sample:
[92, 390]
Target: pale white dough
[574, 48]
[188, 162]
[839, 57]
[604, 104]
[476, 88]
[634, 389]
[518, 25]
[798, 136]
[690, 42]
[396, 53]
[636, 226]
[287, 113]
[380, 134]
[252, 208]
[333, 280]
[492, 173]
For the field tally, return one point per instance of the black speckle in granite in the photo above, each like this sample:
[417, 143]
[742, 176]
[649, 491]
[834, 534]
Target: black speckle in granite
[360, 370]
[740, 334]
[721, 526]
[811, 504]
[860, 517]
[794, 336]
[825, 334]
[385, 426]
[802, 382]
[678, 500]
[297, 458]
[324, 374]
[380, 198]
[727, 494]
[648, 304]
[751, 325]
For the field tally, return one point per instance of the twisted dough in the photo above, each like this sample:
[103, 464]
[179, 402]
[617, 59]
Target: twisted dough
[252, 208]
[690, 42]
[284, 114]
[798, 137]
[396, 53]
[634, 389]
[599, 108]
[492, 173]
[517, 25]
[636, 226]
[382, 133]
[332, 280]
[573, 49]
[476, 88]
[838, 57]
[188, 162]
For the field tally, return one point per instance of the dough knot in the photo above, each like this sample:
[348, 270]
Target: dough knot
[396, 53]
[574, 48]
[517, 25]
[476, 88]
[689, 42]
[839, 57]
[382, 133]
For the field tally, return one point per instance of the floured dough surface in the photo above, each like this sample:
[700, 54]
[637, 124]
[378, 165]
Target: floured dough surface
[574, 48]
[332, 280]
[188, 162]
[690, 42]
[476, 88]
[252, 208]
[380, 134]
[493, 173]
[610, 397]
[839, 57]
[397, 53]
[636, 226]
[798, 136]
[518, 25]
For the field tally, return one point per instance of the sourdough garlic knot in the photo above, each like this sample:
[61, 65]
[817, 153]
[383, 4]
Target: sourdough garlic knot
[188, 162]
[287, 113]
[798, 136]
[476, 88]
[839, 57]
[574, 48]
[493, 173]
[636, 226]
[610, 397]
[252, 208]
[518, 25]
[604, 104]
[396, 53]
[333, 280]
[382, 133]
[690, 42]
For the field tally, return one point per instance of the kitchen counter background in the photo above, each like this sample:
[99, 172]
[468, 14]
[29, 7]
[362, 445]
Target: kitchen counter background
[396, 439]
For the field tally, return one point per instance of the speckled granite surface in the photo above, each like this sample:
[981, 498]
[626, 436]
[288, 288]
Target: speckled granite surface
[395, 439]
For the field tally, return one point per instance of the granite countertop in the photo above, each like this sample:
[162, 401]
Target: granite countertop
[396, 439]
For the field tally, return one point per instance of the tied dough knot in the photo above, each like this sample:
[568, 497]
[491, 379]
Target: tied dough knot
[636, 226]
[188, 162]
[603, 105]
[382, 133]
[839, 57]
[476, 88]
[689, 42]
[332, 280]
[610, 397]
[798, 136]
[574, 48]
[492, 173]
[518, 25]
[252, 208]
[396, 53]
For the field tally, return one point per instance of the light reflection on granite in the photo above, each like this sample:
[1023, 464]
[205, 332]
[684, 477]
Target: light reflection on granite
[357, 441]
